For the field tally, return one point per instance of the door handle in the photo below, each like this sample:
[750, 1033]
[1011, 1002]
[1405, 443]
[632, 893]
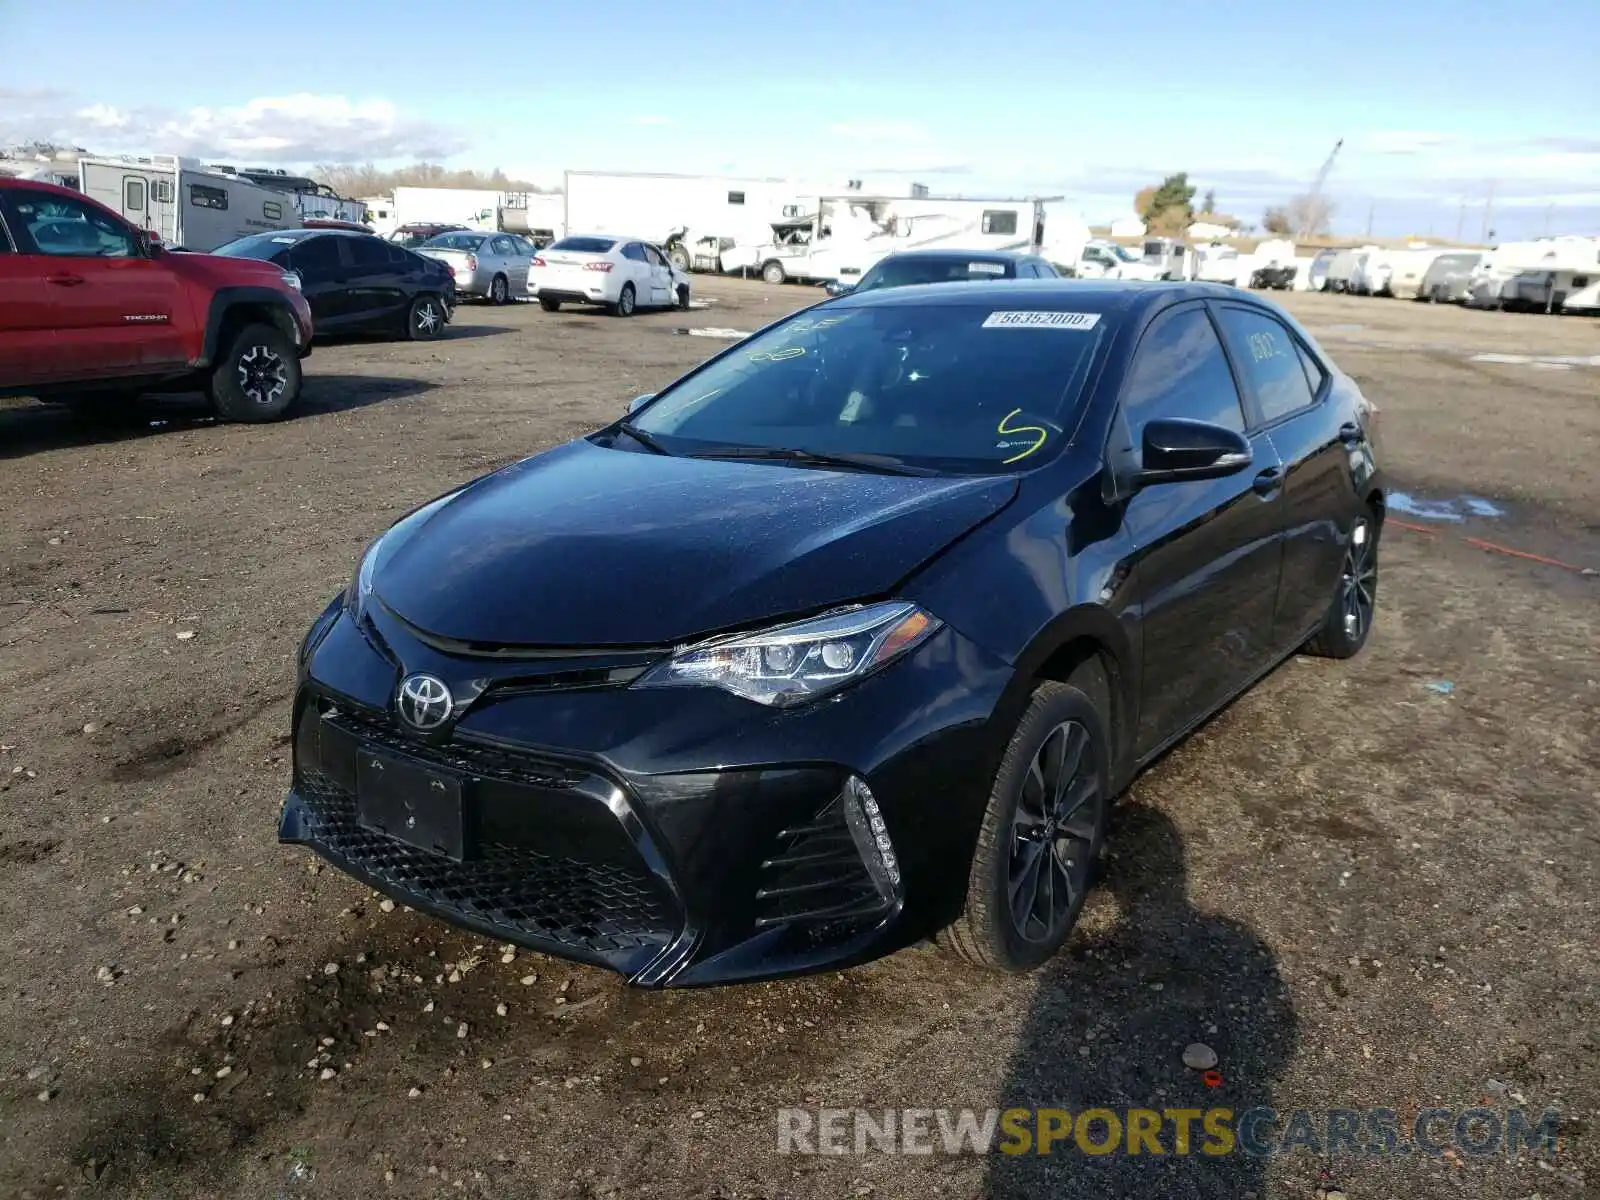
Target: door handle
[64, 280]
[1268, 482]
[1349, 433]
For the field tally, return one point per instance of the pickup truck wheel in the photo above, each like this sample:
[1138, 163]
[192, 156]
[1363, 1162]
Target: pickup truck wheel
[678, 256]
[772, 271]
[426, 320]
[258, 377]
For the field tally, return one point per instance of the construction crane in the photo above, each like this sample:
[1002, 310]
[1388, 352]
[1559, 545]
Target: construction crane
[1313, 199]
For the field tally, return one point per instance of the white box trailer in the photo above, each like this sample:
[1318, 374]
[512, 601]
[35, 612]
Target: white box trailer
[692, 217]
[476, 208]
[183, 202]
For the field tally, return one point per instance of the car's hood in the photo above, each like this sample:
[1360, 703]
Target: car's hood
[588, 546]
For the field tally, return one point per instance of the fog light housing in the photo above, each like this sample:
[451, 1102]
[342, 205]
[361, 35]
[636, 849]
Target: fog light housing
[871, 836]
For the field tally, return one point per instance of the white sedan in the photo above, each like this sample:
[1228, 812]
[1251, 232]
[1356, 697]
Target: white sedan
[622, 274]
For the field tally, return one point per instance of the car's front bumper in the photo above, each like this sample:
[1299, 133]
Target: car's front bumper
[678, 836]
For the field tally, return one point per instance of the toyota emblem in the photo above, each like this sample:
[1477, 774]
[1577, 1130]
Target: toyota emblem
[424, 701]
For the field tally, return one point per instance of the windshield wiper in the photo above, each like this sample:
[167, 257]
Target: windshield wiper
[647, 440]
[882, 463]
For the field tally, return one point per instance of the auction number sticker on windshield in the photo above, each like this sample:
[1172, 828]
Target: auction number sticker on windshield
[986, 268]
[1047, 319]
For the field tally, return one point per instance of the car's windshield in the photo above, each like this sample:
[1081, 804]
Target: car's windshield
[901, 270]
[456, 241]
[584, 245]
[963, 388]
[257, 245]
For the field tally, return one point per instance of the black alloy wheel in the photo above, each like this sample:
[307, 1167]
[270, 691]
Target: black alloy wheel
[1055, 828]
[427, 319]
[1349, 621]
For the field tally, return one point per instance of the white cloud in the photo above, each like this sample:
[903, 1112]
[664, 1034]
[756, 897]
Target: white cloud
[298, 128]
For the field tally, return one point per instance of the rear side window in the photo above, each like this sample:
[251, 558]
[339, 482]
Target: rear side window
[316, 254]
[1180, 370]
[366, 252]
[503, 246]
[1269, 359]
[397, 254]
[585, 245]
[1315, 375]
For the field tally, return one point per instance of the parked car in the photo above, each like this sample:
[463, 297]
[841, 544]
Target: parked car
[490, 266]
[622, 274]
[94, 311]
[1100, 259]
[946, 266]
[848, 637]
[357, 283]
[414, 235]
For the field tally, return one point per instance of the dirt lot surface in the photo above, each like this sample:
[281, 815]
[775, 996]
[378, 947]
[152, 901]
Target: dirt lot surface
[1361, 885]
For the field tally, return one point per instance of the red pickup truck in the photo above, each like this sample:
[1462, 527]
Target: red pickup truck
[94, 311]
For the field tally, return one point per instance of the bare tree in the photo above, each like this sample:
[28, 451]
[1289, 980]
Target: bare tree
[1310, 214]
[368, 180]
[1276, 220]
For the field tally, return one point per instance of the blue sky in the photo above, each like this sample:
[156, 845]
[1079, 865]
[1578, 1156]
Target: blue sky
[1436, 101]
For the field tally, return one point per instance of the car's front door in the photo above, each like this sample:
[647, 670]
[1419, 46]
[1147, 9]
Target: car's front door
[1289, 390]
[510, 263]
[1207, 553]
[322, 272]
[114, 305]
[660, 278]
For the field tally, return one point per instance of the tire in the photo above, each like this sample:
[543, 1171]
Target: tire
[683, 296]
[989, 933]
[499, 291]
[550, 305]
[627, 302]
[772, 272]
[426, 319]
[1349, 621]
[678, 256]
[258, 377]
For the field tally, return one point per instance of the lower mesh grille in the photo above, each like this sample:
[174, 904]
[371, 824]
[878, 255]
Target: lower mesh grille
[817, 876]
[605, 910]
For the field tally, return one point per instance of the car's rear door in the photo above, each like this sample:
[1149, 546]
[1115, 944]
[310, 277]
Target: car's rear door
[115, 308]
[373, 281]
[1288, 390]
[29, 349]
[1208, 553]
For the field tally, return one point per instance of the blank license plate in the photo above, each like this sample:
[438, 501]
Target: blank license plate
[410, 802]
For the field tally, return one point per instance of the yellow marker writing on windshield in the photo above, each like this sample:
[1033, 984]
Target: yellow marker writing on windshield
[1002, 428]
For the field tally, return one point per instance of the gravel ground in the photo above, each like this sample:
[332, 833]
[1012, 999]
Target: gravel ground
[1360, 886]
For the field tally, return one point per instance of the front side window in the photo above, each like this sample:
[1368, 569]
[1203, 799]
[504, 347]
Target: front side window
[1269, 359]
[634, 251]
[64, 227]
[1180, 370]
[654, 256]
[956, 388]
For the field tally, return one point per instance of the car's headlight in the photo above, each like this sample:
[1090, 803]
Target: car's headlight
[792, 663]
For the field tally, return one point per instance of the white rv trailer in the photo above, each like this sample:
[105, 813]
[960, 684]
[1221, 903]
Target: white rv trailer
[692, 217]
[840, 237]
[183, 202]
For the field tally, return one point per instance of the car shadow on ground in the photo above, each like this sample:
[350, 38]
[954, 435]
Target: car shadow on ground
[1109, 1026]
[30, 427]
[452, 332]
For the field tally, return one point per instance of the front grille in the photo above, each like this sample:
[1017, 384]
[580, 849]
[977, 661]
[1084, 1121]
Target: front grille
[609, 911]
[817, 876]
[470, 758]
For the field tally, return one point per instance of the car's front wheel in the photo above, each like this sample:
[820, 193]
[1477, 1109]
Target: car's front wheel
[1355, 602]
[1042, 833]
[257, 377]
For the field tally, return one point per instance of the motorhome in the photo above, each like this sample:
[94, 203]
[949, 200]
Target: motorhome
[1166, 255]
[692, 217]
[184, 203]
[1545, 272]
[839, 237]
[311, 198]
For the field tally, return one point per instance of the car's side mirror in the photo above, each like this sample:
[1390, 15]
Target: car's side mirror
[1175, 450]
[639, 401]
[838, 287]
[150, 240]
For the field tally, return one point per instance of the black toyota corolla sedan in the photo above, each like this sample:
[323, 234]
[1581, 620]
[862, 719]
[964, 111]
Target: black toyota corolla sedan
[845, 639]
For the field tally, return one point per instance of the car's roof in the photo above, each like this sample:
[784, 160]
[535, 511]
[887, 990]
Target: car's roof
[38, 185]
[937, 253]
[1047, 295]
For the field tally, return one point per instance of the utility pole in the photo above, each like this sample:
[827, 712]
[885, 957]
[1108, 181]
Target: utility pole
[1488, 211]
